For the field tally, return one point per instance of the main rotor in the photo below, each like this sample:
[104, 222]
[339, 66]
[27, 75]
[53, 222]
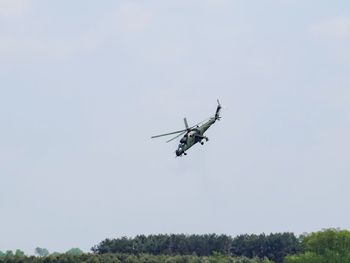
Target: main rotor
[189, 129]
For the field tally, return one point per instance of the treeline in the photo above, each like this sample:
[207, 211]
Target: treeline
[274, 246]
[127, 258]
[326, 246]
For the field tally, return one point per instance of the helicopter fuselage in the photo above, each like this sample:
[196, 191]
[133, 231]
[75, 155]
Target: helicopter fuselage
[193, 136]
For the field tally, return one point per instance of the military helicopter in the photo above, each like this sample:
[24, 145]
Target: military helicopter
[192, 135]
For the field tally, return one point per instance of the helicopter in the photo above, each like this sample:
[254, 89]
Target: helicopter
[194, 134]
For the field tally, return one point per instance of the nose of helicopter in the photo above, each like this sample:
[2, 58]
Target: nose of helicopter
[178, 152]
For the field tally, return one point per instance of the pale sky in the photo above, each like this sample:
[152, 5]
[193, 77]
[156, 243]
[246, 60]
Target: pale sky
[84, 84]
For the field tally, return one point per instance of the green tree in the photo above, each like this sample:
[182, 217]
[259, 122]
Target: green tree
[218, 258]
[41, 252]
[19, 253]
[75, 251]
[273, 246]
[9, 253]
[329, 239]
[327, 246]
[307, 257]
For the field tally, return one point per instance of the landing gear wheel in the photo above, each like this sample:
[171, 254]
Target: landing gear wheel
[185, 153]
[202, 143]
[207, 139]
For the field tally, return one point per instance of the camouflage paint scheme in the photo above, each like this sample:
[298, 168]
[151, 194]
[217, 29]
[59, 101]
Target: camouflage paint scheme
[194, 134]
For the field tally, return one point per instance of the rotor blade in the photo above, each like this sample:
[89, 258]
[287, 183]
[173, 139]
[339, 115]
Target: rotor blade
[181, 131]
[188, 129]
[186, 124]
[165, 134]
[177, 136]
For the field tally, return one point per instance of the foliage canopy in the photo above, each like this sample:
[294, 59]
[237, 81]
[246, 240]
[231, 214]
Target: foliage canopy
[327, 246]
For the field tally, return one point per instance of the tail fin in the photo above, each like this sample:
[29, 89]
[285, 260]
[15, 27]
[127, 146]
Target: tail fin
[217, 113]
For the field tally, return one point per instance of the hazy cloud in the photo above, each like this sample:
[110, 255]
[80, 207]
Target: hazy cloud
[44, 47]
[127, 17]
[333, 28]
[133, 17]
[13, 7]
[217, 3]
